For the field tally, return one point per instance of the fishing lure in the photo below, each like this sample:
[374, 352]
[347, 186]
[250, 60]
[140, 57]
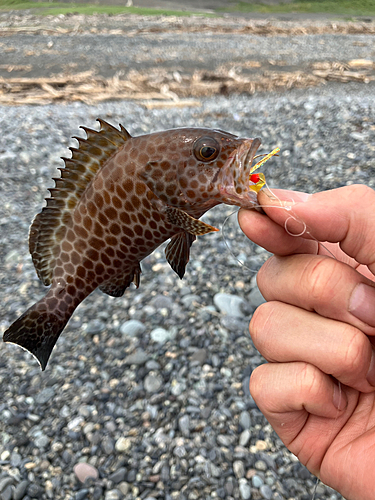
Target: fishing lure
[118, 198]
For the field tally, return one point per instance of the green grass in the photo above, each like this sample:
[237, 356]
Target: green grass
[339, 7]
[349, 8]
[46, 8]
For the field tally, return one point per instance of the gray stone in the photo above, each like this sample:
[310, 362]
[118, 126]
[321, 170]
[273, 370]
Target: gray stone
[256, 298]
[132, 328]
[266, 492]
[139, 357]
[199, 355]
[20, 490]
[107, 445]
[184, 425]
[178, 387]
[245, 490]
[233, 324]
[118, 476]
[153, 383]
[238, 469]
[189, 300]
[81, 494]
[44, 395]
[257, 481]
[161, 335]
[5, 482]
[7, 493]
[41, 441]
[95, 326]
[244, 437]
[245, 420]
[232, 305]
[260, 465]
[34, 491]
[15, 459]
[113, 495]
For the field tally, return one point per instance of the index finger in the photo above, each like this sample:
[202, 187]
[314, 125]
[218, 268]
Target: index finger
[345, 216]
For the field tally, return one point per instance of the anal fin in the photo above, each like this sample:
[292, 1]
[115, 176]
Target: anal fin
[177, 252]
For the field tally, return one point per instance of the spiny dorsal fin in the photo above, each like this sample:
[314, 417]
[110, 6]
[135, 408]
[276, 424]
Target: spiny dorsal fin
[48, 227]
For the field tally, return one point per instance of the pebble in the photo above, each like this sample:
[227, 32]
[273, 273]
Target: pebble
[95, 326]
[238, 469]
[161, 335]
[132, 328]
[245, 490]
[7, 493]
[118, 476]
[107, 445]
[256, 298]
[20, 490]
[81, 494]
[113, 495]
[153, 383]
[257, 481]
[184, 425]
[83, 471]
[45, 395]
[199, 355]
[34, 491]
[260, 465]
[232, 305]
[139, 357]
[266, 492]
[245, 420]
[123, 445]
[42, 441]
[5, 482]
[244, 437]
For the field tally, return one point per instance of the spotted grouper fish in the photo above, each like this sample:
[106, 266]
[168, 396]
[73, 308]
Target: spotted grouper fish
[118, 198]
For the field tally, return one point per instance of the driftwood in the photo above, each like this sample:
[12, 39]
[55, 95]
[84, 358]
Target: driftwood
[156, 86]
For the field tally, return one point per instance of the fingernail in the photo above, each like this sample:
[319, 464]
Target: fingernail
[339, 398]
[362, 303]
[287, 196]
[371, 371]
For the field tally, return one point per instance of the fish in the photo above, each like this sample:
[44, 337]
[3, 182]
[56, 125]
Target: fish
[117, 199]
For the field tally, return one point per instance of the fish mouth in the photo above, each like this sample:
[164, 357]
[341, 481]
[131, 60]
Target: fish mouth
[234, 177]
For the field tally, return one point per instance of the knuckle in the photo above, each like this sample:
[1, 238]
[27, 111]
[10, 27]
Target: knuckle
[356, 351]
[259, 324]
[257, 385]
[322, 276]
[362, 192]
[309, 381]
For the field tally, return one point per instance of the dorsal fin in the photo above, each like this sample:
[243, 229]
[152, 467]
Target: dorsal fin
[48, 227]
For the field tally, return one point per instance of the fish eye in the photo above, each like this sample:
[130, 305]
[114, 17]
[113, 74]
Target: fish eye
[206, 149]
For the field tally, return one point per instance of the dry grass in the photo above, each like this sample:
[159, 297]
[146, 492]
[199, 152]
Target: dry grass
[174, 88]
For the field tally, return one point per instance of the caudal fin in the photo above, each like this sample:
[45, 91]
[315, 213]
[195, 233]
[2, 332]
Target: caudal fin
[37, 331]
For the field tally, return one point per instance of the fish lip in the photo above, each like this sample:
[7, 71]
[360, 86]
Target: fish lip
[236, 172]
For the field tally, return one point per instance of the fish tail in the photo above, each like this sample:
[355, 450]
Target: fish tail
[37, 331]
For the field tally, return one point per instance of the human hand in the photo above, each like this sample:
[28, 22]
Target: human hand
[317, 331]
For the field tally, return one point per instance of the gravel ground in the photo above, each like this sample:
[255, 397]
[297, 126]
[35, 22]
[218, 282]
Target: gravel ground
[146, 396]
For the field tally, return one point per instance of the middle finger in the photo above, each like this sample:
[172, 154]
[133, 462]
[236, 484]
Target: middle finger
[284, 333]
[314, 283]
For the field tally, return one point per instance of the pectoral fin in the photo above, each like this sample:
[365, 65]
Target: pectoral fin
[178, 252]
[186, 222]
